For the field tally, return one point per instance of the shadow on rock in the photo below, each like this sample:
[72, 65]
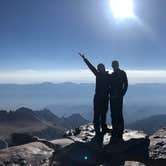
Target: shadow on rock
[90, 153]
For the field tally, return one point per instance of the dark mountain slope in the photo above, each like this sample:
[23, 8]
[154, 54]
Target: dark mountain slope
[149, 125]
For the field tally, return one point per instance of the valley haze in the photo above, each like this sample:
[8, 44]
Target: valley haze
[29, 76]
[64, 99]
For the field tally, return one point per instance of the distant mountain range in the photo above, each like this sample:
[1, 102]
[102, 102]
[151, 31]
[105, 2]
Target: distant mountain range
[64, 99]
[131, 113]
[149, 125]
[46, 124]
[43, 124]
[38, 96]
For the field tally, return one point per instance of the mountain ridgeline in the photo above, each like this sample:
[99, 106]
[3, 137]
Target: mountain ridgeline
[41, 95]
[43, 124]
[149, 125]
[64, 99]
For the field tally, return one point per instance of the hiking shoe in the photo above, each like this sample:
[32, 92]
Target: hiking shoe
[97, 139]
[116, 140]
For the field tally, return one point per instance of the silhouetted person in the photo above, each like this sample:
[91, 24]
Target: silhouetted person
[100, 98]
[118, 88]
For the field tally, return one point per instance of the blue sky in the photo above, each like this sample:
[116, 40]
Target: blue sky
[40, 36]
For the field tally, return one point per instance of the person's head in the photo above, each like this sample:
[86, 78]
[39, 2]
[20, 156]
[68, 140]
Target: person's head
[101, 68]
[115, 65]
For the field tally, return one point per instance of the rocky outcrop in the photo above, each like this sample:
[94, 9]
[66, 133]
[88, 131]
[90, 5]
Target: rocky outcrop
[157, 148]
[134, 148]
[35, 154]
[77, 148]
[43, 124]
[158, 144]
[3, 144]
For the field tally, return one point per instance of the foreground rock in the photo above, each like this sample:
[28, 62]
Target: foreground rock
[157, 148]
[33, 153]
[78, 149]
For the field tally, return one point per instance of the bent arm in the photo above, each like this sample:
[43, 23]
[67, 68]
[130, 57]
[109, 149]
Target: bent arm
[125, 84]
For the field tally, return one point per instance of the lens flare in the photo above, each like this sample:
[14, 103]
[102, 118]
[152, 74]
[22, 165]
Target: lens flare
[85, 157]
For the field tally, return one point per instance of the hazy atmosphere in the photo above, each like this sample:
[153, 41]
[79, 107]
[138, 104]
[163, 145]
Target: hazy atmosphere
[40, 40]
[83, 82]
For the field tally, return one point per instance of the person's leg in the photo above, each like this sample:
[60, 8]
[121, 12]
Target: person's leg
[96, 117]
[103, 121]
[113, 116]
[104, 116]
[96, 122]
[120, 124]
[117, 117]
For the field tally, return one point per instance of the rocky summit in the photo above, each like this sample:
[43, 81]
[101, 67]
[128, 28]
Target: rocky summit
[78, 149]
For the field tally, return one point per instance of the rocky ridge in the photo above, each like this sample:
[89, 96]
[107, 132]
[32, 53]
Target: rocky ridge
[43, 124]
[77, 149]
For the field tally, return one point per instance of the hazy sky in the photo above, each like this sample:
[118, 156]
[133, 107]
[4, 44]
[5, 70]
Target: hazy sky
[40, 39]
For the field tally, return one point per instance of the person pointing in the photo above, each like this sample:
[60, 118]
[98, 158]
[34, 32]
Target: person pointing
[100, 98]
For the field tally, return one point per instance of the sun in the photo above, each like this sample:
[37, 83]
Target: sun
[122, 8]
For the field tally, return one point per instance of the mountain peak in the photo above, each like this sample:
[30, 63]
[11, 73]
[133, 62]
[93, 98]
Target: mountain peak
[23, 109]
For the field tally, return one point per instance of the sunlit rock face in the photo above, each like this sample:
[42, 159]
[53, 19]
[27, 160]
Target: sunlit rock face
[158, 145]
[33, 153]
[78, 149]
[86, 132]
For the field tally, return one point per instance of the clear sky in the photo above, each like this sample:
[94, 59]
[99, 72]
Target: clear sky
[40, 39]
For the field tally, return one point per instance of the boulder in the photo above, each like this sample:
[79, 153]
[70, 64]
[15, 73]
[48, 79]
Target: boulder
[136, 149]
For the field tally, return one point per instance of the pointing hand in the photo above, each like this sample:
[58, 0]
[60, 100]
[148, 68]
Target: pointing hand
[82, 55]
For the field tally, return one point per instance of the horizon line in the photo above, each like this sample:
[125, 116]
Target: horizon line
[75, 76]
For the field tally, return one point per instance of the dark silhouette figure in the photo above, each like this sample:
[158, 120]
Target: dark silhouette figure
[118, 88]
[100, 98]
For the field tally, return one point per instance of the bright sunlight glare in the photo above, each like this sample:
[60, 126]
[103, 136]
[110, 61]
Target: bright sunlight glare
[122, 8]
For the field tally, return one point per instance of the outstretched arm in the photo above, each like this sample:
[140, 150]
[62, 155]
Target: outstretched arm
[91, 67]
